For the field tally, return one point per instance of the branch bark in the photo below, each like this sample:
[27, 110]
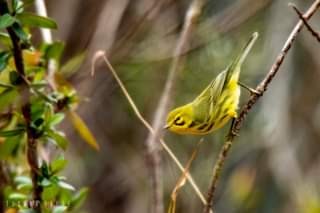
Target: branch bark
[3, 182]
[261, 88]
[32, 154]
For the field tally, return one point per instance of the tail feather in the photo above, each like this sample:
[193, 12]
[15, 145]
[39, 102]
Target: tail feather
[234, 68]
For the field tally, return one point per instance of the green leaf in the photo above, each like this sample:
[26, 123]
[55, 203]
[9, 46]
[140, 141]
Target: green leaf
[11, 133]
[59, 209]
[23, 180]
[65, 185]
[34, 20]
[17, 196]
[20, 32]
[4, 58]
[6, 86]
[59, 138]
[54, 51]
[6, 21]
[58, 164]
[83, 130]
[7, 97]
[46, 183]
[78, 199]
[5, 39]
[55, 119]
[17, 6]
[72, 65]
[15, 78]
[9, 148]
[50, 193]
[45, 170]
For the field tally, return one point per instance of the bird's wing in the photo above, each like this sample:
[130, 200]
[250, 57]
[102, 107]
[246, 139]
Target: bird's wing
[205, 103]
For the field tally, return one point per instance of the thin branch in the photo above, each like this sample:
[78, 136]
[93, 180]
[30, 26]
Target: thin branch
[182, 179]
[261, 88]
[311, 30]
[154, 158]
[146, 124]
[32, 155]
[46, 34]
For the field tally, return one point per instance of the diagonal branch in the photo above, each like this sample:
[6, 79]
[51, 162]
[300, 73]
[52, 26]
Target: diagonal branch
[153, 151]
[261, 88]
[311, 30]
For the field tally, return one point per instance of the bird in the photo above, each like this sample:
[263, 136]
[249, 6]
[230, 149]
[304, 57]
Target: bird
[216, 104]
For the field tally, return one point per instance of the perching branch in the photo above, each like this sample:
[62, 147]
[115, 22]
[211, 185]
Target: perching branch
[311, 30]
[32, 154]
[261, 88]
[153, 152]
[146, 124]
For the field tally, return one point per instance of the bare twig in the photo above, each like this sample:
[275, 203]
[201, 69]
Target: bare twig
[146, 124]
[311, 30]
[46, 34]
[32, 154]
[182, 179]
[154, 159]
[261, 88]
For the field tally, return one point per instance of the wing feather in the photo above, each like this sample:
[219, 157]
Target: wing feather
[206, 101]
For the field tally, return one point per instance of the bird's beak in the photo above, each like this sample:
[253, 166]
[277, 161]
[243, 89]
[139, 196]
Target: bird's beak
[166, 126]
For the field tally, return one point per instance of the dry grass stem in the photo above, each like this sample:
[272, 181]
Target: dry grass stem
[153, 151]
[101, 54]
[182, 180]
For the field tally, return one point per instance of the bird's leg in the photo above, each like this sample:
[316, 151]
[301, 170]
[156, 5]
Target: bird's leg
[252, 91]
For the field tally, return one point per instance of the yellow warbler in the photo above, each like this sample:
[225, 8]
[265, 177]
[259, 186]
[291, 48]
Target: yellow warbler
[216, 104]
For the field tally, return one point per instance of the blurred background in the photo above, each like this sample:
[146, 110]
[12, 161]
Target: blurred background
[274, 166]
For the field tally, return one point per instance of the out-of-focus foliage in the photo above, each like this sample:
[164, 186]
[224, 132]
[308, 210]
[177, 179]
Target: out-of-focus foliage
[48, 102]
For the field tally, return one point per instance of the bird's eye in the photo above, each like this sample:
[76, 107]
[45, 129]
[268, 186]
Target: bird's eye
[179, 121]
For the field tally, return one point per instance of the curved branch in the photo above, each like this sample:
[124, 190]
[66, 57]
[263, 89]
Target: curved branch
[261, 88]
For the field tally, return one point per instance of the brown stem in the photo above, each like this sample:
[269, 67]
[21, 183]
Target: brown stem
[261, 88]
[32, 154]
[3, 182]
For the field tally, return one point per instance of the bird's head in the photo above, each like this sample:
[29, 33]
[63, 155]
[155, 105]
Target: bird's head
[179, 119]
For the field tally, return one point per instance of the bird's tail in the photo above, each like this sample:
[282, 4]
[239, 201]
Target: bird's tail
[234, 68]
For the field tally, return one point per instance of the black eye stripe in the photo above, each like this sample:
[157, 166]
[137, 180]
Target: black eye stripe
[179, 121]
